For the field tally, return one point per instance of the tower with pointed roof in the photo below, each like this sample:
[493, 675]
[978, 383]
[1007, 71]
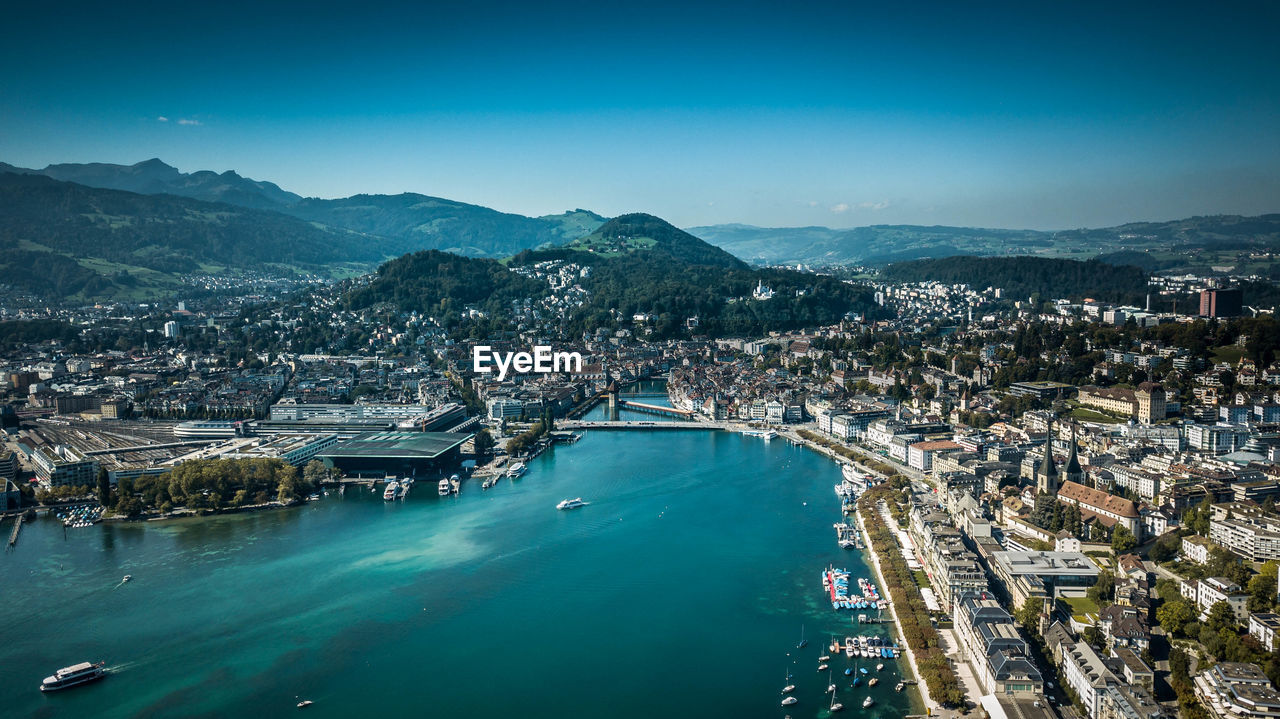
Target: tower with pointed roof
[1073, 472]
[1047, 475]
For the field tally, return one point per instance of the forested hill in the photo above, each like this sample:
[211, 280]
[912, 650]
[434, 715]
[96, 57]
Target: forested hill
[414, 222]
[1021, 277]
[63, 240]
[670, 276]
[652, 236]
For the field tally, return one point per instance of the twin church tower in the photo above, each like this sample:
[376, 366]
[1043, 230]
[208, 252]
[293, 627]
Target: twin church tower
[1048, 478]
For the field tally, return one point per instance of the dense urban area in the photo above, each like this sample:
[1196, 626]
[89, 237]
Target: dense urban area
[1073, 501]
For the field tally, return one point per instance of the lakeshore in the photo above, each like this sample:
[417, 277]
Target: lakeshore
[659, 582]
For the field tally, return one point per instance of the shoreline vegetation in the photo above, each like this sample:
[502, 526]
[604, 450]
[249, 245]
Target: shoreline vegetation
[938, 679]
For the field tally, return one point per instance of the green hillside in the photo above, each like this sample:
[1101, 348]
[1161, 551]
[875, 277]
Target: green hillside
[64, 240]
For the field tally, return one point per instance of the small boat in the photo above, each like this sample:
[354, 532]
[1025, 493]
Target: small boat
[880, 667]
[857, 682]
[444, 489]
[874, 681]
[862, 671]
[899, 687]
[393, 487]
[127, 578]
[789, 701]
[848, 672]
[824, 658]
[73, 676]
[849, 648]
[803, 642]
[571, 503]
[305, 703]
[868, 702]
[822, 667]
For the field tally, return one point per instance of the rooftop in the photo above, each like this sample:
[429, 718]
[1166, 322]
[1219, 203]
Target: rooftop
[422, 445]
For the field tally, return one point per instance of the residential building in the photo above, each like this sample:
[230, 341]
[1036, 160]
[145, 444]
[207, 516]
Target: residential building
[1232, 690]
[995, 650]
[1265, 627]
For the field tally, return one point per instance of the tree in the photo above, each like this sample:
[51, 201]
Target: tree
[1221, 616]
[1092, 635]
[484, 443]
[1165, 548]
[104, 487]
[1174, 616]
[1029, 614]
[315, 472]
[1262, 588]
[1122, 540]
[1104, 589]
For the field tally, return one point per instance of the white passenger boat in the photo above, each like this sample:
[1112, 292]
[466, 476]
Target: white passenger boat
[517, 470]
[390, 492]
[73, 676]
[444, 488]
[571, 503]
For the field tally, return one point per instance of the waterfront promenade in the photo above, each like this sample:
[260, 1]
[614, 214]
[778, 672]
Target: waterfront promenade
[931, 706]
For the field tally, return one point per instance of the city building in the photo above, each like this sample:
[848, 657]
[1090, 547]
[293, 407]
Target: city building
[1233, 690]
[1047, 575]
[61, 465]
[995, 650]
[1205, 593]
[1265, 627]
[1247, 530]
[397, 454]
[1221, 303]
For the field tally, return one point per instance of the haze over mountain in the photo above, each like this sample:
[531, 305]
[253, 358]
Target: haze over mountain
[1190, 242]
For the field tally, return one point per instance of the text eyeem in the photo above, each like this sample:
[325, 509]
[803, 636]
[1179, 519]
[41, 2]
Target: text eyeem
[542, 361]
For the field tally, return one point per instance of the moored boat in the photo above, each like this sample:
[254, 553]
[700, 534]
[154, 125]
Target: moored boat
[390, 492]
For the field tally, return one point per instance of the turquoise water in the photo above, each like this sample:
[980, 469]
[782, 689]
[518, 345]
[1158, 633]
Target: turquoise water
[679, 591]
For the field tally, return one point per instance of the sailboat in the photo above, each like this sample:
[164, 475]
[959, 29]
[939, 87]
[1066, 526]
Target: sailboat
[835, 705]
[803, 642]
[789, 687]
[831, 686]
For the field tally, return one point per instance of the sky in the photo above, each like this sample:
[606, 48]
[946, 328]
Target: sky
[1020, 115]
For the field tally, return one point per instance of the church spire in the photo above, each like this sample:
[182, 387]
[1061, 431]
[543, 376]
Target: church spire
[1073, 470]
[1047, 476]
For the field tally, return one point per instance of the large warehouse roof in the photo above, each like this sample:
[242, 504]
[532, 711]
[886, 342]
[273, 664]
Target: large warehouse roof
[419, 445]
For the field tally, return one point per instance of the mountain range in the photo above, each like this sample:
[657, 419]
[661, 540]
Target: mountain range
[130, 231]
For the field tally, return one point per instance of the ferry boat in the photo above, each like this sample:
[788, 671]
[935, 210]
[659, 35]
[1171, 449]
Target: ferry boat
[390, 492]
[73, 676]
[765, 434]
[444, 488]
[517, 470]
[571, 503]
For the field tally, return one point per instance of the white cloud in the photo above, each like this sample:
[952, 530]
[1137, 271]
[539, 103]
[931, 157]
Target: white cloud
[188, 121]
[162, 118]
[840, 207]
[813, 203]
[873, 205]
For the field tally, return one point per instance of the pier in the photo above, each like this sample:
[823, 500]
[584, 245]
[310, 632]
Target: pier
[654, 409]
[17, 527]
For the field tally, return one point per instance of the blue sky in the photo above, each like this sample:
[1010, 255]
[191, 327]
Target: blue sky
[842, 114]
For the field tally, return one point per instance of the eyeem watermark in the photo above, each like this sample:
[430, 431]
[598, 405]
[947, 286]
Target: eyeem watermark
[542, 361]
